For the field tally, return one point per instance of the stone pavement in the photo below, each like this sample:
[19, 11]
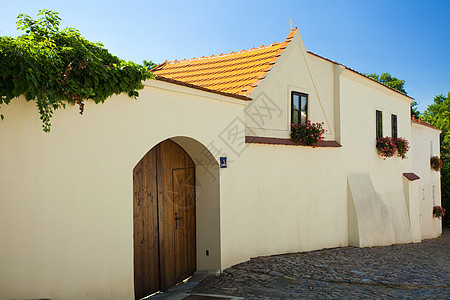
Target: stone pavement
[409, 271]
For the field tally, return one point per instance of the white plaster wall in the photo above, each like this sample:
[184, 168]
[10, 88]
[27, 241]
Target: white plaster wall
[295, 198]
[369, 219]
[413, 206]
[360, 98]
[421, 153]
[269, 114]
[207, 181]
[66, 209]
[291, 199]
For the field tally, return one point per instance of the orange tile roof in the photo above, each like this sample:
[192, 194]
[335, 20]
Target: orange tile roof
[420, 122]
[173, 81]
[235, 73]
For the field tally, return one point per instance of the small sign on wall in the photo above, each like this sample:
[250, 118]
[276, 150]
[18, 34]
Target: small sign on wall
[223, 162]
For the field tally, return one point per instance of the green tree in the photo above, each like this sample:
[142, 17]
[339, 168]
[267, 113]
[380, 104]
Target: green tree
[149, 64]
[390, 81]
[414, 111]
[438, 114]
[53, 67]
[396, 84]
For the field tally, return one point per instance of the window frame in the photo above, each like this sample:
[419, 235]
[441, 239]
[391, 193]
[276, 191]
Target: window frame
[433, 192]
[300, 106]
[431, 149]
[394, 126]
[378, 123]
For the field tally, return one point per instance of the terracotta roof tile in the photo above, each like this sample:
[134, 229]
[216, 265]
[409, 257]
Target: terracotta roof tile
[235, 73]
[420, 122]
[173, 81]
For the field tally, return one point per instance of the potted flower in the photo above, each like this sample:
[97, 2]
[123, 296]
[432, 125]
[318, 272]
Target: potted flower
[386, 147]
[402, 146]
[309, 133]
[438, 212]
[436, 163]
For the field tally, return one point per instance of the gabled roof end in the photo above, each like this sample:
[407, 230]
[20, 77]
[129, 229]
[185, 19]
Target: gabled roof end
[236, 72]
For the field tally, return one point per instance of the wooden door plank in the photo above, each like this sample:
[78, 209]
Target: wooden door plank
[166, 152]
[184, 200]
[163, 255]
[173, 192]
[191, 222]
[145, 224]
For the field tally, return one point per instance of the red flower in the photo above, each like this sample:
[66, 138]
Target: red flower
[309, 133]
[436, 163]
[438, 211]
[386, 147]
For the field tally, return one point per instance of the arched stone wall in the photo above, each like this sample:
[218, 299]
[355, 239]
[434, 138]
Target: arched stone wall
[208, 203]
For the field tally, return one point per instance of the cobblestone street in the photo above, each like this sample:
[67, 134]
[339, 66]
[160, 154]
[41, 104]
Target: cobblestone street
[409, 271]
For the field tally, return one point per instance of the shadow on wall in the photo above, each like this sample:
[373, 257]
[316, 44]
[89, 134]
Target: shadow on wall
[372, 221]
[207, 203]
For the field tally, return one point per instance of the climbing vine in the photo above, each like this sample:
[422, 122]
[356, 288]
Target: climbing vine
[53, 67]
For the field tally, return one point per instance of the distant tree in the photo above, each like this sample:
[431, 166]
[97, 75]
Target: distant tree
[438, 114]
[396, 84]
[149, 64]
[390, 81]
[414, 111]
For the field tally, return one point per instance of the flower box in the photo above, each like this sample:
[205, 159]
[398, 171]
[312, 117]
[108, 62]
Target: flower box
[436, 163]
[388, 146]
[438, 212]
[402, 146]
[309, 133]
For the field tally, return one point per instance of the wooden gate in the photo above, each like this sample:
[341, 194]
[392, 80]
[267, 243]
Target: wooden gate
[164, 219]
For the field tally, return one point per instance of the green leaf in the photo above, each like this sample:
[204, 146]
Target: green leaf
[52, 66]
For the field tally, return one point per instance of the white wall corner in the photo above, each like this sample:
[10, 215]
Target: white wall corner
[410, 189]
[338, 69]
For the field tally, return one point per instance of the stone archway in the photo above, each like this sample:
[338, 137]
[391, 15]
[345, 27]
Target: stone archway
[175, 214]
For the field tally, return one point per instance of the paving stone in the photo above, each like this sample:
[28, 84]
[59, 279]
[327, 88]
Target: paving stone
[407, 271]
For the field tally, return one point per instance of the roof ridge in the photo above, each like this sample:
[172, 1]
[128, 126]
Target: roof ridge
[237, 72]
[287, 40]
[248, 89]
[362, 74]
[221, 54]
[200, 68]
[158, 67]
[420, 122]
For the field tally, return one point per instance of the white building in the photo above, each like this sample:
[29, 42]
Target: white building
[136, 195]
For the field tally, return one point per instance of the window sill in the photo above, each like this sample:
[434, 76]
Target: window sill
[411, 176]
[287, 142]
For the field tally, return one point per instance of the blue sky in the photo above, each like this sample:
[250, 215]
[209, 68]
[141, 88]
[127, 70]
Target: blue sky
[408, 39]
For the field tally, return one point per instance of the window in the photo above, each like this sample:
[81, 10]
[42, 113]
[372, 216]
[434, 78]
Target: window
[394, 125]
[431, 148]
[379, 123]
[434, 195]
[299, 108]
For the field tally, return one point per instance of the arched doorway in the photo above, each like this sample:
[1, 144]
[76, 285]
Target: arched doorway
[164, 218]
